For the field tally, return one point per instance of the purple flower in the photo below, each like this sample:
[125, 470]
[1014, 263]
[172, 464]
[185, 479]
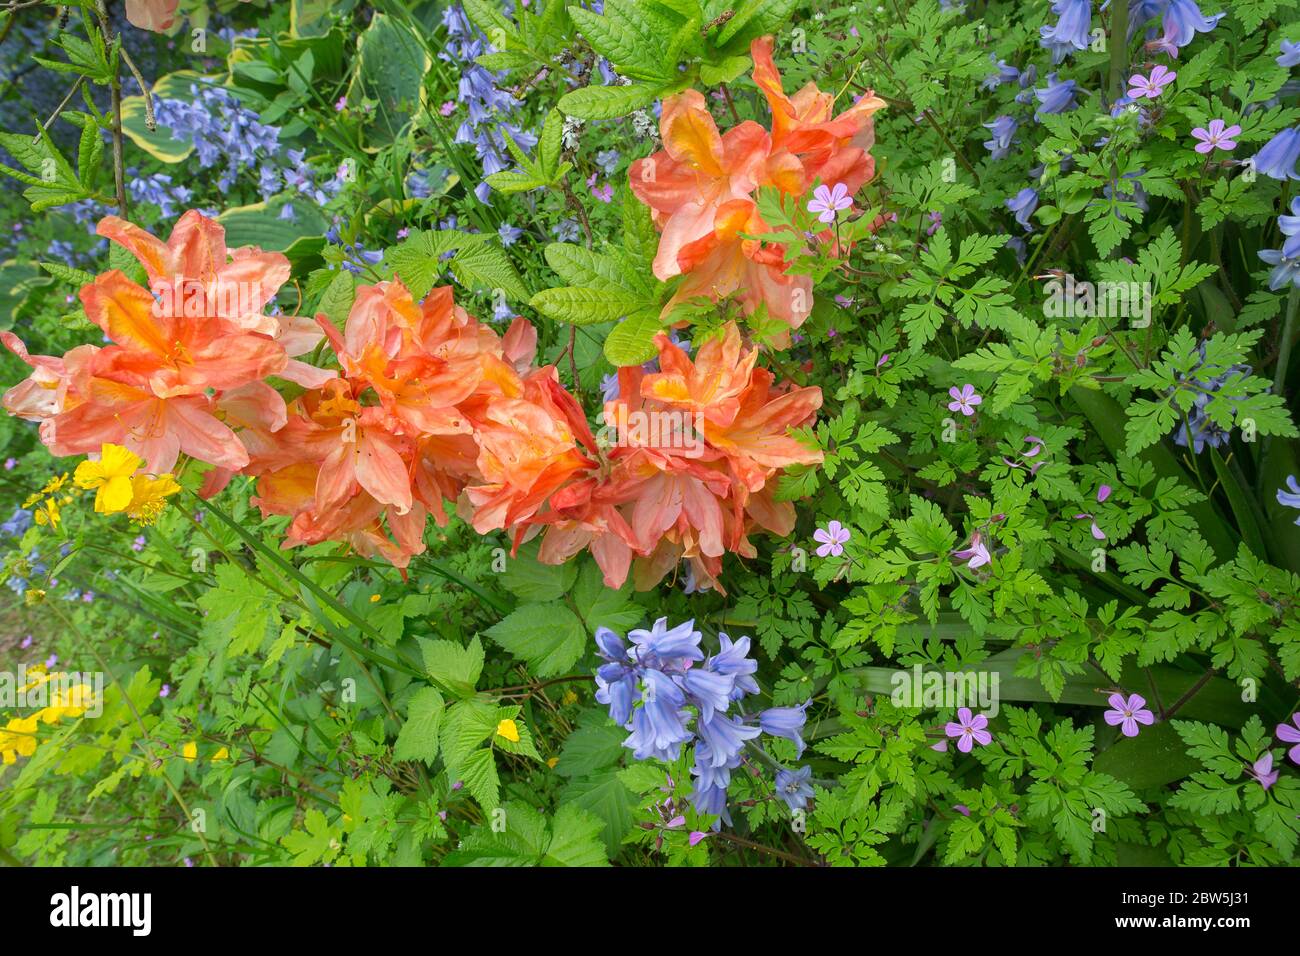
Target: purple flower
[1004, 128]
[341, 104]
[1182, 21]
[832, 538]
[51, 661]
[1263, 771]
[829, 201]
[936, 220]
[165, 691]
[785, 722]
[1057, 97]
[11, 464]
[1291, 500]
[1290, 54]
[696, 836]
[1023, 205]
[26, 642]
[1071, 30]
[977, 554]
[1150, 87]
[1128, 713]
[964, 400]
[969, 730]
[1278, 157]
[1291, 735]
[1217, 136]
[794, 788]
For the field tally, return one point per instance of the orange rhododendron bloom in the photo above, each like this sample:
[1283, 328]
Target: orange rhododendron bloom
[173, 351]
[695, 174]
[833, 149]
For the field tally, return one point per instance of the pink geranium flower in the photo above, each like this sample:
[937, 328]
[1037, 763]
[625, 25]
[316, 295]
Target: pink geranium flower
[1153, 86]
[969, 730]
[1128, 713]
[1217, 136]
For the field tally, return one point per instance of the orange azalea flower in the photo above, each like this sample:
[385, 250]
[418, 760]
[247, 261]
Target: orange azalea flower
[834, 149]
[54, 385]
[695, 174]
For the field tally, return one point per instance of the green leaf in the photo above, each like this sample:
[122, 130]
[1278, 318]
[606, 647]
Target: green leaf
[418, 738]
[548, 637]
[455, 667]
[631, 342]
[607, 102]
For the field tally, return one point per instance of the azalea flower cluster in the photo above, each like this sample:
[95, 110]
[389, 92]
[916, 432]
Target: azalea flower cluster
[654, 689]
[700, 188]
[428, 406]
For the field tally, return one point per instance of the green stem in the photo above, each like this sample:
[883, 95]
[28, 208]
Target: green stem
[1118, 49]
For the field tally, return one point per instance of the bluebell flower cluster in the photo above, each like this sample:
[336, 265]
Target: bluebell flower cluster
[663, 689]
[220, 129]
[1182, 20]
[1198, 430]
[488, 108]
[17, 524]
[1277, 159]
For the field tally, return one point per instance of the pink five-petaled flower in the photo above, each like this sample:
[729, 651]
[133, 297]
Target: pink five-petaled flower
[1216, 137]
[829, 201]
[964, 400]
[969, 730]
[1153, 86]
[832, 539]
[977, 554]
[1128, 713]
[696, 836]
[1263, 771]
[1291, 735]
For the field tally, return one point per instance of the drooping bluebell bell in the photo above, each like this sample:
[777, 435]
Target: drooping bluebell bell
[607, 161]
[1005, 74]
[566, 230]
[1277, 159]
[1003, 129]
[1182, 20]
[509, 234]
[1070, 33]
[1023, 205]
[785, 722]
[1290, 227]
[17, 524]
[1059, 96]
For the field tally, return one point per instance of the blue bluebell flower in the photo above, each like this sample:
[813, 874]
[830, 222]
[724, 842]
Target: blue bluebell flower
[1278, 157]
[1285, 270]
[1005, 74]
[607, 161]
[785, 722]
[1290, 54]
[1004, 129]
[509, 234]
[794, 788]
[1059, 96]
[17, 524]
[1071, 30]
[1199, 430]
[566, 230]
[1182, 21]
[1291, 500]
[1023, 205]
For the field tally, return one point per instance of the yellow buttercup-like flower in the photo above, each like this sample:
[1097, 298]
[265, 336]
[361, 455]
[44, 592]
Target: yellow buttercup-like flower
[48, 514]
[509, 730]
[18, 739]
[190, 750]
[149, 497]
[110, 476]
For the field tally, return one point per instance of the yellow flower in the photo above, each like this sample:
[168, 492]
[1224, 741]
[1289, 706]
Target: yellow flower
[111, 476]
[18, 739]
[222, 754]
[552, 762]
[569, 698]
[55, 483]
[190, 750]
[374, 599]
[509, 730]
[48, 513]
[33, 596]
[149, 497]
